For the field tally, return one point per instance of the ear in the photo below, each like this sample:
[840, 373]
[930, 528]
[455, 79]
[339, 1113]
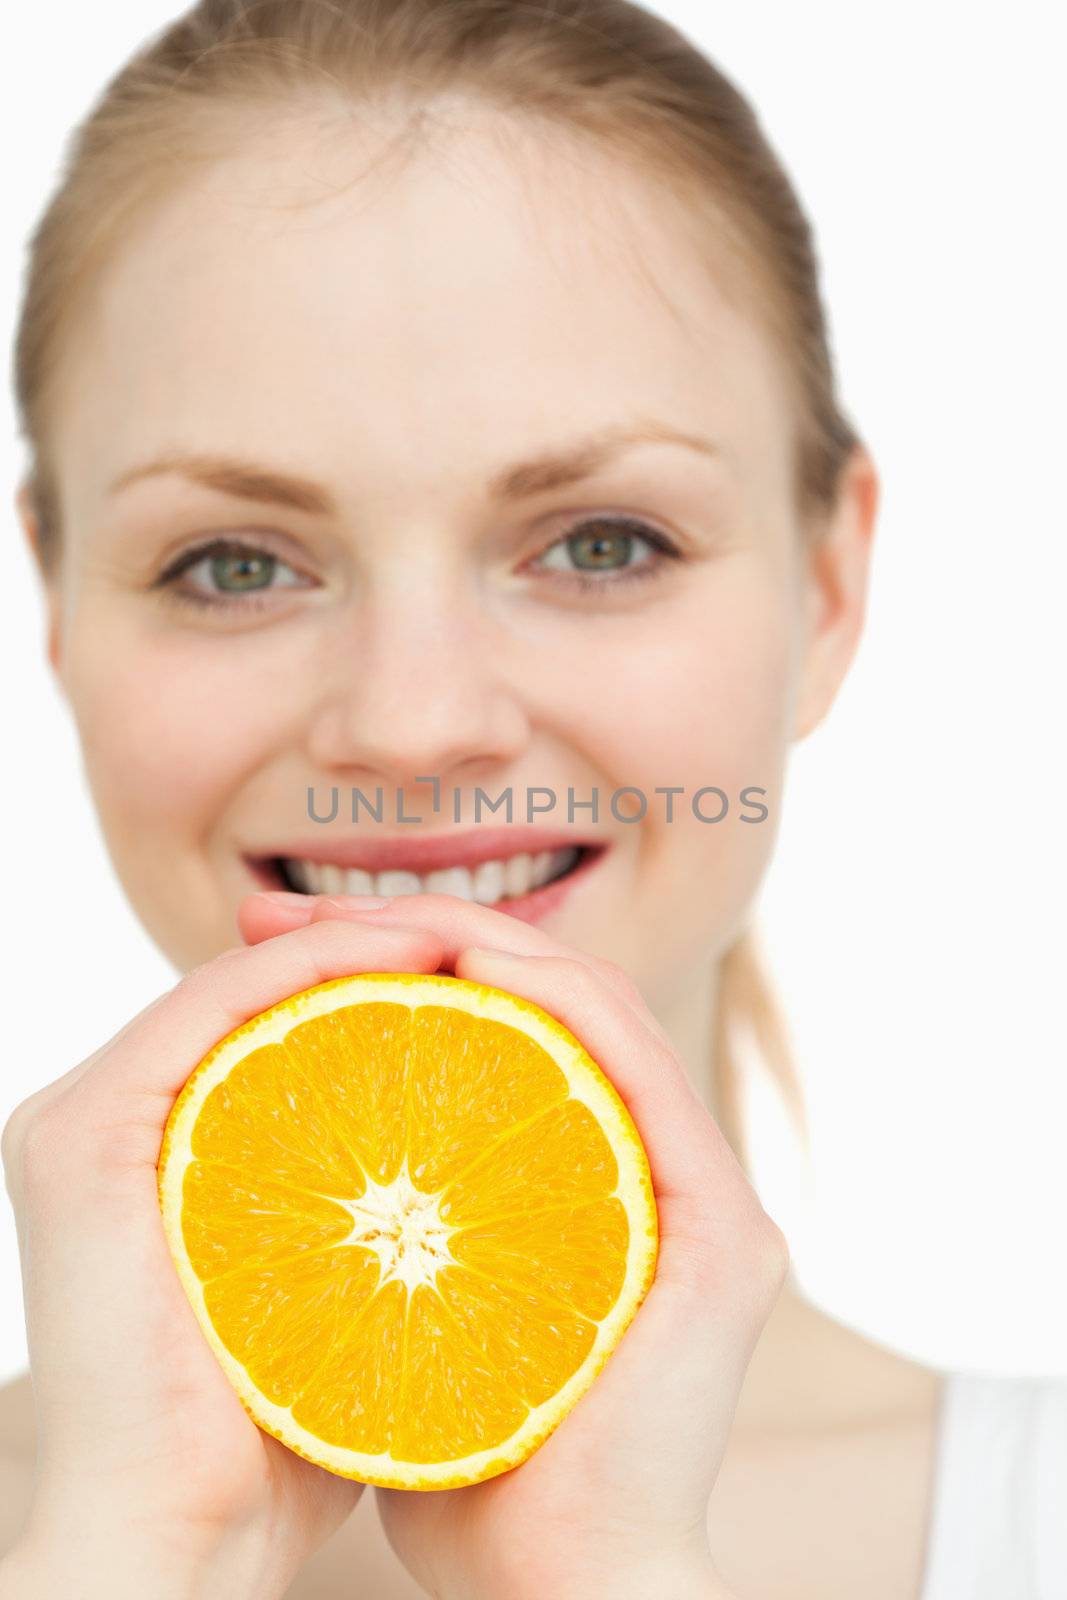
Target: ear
[31, 527]
[835, 579]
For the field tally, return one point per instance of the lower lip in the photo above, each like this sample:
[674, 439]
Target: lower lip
[542, 902]
[532, 907]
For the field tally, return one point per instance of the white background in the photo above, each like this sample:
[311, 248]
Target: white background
[914, 915]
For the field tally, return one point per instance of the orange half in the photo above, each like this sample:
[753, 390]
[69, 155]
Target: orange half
[413, 1218]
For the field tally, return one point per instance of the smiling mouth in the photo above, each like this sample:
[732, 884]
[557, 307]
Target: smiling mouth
[508, 878]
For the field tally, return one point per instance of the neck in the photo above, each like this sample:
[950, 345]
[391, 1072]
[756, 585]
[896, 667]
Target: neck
[688, 1017]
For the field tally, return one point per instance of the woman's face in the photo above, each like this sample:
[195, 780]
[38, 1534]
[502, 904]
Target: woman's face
[399, 339]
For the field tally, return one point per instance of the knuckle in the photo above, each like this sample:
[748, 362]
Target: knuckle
[626, 986]
[32, 1139]
[202, 982]
[580, 977]
[620, 978]
[197, 979]
[566, 966]
[13, 1138]
[590, 973]
[749, 1261]
[12, 1124]
[236, 956]
[774, 1251]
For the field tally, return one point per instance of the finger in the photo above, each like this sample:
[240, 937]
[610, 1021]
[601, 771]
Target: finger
[266, 913]
[462, 923]
[129, 1086]
[458, 923]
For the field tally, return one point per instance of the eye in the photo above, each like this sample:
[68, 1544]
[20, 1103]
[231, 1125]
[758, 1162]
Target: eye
[221, 571]
[605, 545]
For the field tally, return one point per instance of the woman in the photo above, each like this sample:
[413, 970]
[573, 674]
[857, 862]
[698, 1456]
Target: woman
[440, 391]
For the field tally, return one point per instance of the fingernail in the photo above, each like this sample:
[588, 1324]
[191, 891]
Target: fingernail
[359, 902]
[494, 955]
[282, 897]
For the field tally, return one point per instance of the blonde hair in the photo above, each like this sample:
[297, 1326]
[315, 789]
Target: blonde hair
[604, 69]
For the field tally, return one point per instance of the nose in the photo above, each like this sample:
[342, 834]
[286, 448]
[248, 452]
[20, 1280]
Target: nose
[417, 680]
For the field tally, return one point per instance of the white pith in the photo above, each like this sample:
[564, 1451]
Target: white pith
[403, 1211]
[505, 878]
[403, 1226]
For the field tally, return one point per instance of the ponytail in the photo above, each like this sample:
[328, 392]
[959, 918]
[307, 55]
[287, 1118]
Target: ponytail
[748, 1013]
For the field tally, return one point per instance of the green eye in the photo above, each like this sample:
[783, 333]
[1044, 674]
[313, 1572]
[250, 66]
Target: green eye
[594, 551]
[233, 574]
[620, 548]
[220, 572]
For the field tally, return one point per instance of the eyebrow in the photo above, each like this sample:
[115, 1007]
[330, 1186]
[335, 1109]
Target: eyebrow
[246, 480]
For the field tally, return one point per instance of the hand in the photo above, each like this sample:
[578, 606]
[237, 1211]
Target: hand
[148, 1465]
[614, 1503]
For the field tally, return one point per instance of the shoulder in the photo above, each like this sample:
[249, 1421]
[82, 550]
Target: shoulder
[997, 1517]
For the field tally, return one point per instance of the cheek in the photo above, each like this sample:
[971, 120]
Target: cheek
[705, 704]
[702, 696]
[168, 727]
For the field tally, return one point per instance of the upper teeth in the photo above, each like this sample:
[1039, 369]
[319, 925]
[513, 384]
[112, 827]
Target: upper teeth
[487, 882]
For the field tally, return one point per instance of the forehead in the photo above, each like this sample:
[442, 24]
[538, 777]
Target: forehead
[317, 299]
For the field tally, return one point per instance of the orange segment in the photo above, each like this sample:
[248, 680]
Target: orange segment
[269, 1116]
[534, 1342]
[457, 1402]
[353, 1403]
[356, 1057]
[413, 1218]
[281, 1320]
[577, 1256]
[232, 1220]
[487, 1075]
[561, 1155]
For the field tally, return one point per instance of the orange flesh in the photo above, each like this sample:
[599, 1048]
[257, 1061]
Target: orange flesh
[518, 1255]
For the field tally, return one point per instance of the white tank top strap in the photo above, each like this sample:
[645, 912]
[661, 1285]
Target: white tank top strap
[998, 1519]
